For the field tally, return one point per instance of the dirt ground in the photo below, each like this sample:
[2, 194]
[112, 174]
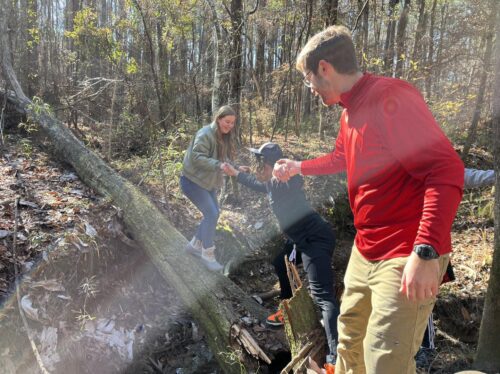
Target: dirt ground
[94, 303]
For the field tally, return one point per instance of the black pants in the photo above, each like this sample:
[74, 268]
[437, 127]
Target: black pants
[315, 241]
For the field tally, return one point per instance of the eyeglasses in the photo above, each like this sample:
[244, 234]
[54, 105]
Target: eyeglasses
[306, 80]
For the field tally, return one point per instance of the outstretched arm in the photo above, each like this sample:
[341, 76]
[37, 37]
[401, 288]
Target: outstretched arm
[245, 179]
[474, 178]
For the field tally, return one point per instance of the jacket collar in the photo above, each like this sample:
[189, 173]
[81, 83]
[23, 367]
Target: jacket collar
[349, 98]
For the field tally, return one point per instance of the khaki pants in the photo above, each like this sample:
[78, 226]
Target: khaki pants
[380, 330]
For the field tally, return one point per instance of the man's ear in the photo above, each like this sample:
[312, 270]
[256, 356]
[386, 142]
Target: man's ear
[325, 68]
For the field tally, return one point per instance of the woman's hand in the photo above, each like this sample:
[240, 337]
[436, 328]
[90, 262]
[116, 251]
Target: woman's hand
[229, 169]
[244, 169]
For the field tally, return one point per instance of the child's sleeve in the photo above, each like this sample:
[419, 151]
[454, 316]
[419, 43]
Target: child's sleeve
[474, 178]
[251, 182]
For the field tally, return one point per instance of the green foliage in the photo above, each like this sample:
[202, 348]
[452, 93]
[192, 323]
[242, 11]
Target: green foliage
[129, 136]
[93, 41]
[39, 107]
[26, 147]
[131, 67]
[36, 109]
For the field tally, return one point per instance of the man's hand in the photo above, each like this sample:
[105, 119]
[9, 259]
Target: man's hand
[284, 169]
[229, 169]
[420, 279]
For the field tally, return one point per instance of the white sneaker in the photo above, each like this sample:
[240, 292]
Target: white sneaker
[194, 247]
[208, 258]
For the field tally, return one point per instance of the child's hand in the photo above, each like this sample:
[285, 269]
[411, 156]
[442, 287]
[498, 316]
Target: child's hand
[229, 169]
[244, 169]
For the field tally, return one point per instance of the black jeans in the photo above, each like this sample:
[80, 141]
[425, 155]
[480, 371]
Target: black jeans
[315, 241]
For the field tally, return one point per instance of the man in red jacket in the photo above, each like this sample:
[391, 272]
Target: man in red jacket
[404, 184]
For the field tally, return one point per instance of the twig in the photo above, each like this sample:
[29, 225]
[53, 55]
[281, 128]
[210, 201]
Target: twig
[451, 339]
[359, 15]
[268, 295]
[2, 119]
[302, 354]
[18, 292]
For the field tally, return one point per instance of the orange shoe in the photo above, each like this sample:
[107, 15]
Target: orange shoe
[330, 368]
[275, 319]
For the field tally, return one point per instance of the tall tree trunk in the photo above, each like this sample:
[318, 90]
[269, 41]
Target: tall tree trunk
[389, 40]
[417, 45]
[235, 60]
[260, 61]
[488, 348]
[439, 54]
[219, 93]
[471, 134]
[400, 38]
[362, 33]
[153, 63]
[330, 12]
[430, 54]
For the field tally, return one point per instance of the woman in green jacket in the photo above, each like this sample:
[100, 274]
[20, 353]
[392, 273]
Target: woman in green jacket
[212, 146]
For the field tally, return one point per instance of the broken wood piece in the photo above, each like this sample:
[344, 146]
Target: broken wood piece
[248, 342]
[316, 354]
[303, 353]
[293, 275]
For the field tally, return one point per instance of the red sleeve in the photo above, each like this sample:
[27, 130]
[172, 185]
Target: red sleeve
[330, 163]
[415, 139]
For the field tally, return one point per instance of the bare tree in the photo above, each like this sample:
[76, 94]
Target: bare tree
[488, 350]
[490, 30]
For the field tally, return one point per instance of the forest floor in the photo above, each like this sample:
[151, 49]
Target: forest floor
[94, 303]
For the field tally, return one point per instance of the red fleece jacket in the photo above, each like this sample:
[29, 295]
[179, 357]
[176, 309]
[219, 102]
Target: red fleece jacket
[404, 178]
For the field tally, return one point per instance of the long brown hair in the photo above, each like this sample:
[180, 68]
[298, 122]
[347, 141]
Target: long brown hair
[226, 143]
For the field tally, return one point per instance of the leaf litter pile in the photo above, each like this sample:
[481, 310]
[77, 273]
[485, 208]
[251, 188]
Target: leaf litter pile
[92, 302]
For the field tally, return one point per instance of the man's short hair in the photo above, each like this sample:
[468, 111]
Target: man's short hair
[334, 45]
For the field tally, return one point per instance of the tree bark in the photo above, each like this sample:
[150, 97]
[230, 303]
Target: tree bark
[401, 35]
[214, 301]
[488, 349]
[417, 45]
[389, 41]
[430, 54]
[471, 134]
[331, 12]
[153, 65]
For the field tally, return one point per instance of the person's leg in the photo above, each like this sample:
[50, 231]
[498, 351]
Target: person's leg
[396, 325]
[355, 310]
[280, 269]
[206, 202]
[316, 252]
[276, 319]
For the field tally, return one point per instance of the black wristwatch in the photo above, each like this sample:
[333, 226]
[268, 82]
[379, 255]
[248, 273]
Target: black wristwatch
[425, 252]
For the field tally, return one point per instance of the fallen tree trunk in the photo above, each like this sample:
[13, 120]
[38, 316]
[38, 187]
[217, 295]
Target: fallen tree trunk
[214, 301]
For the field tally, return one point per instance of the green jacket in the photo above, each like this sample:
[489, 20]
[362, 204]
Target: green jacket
[200, 161]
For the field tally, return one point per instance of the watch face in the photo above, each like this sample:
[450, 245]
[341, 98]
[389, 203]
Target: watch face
[426, 252]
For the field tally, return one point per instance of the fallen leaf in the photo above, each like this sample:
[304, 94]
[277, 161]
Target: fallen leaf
[49, 285]
[28, 203]
[89, 230]
[27, 306]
